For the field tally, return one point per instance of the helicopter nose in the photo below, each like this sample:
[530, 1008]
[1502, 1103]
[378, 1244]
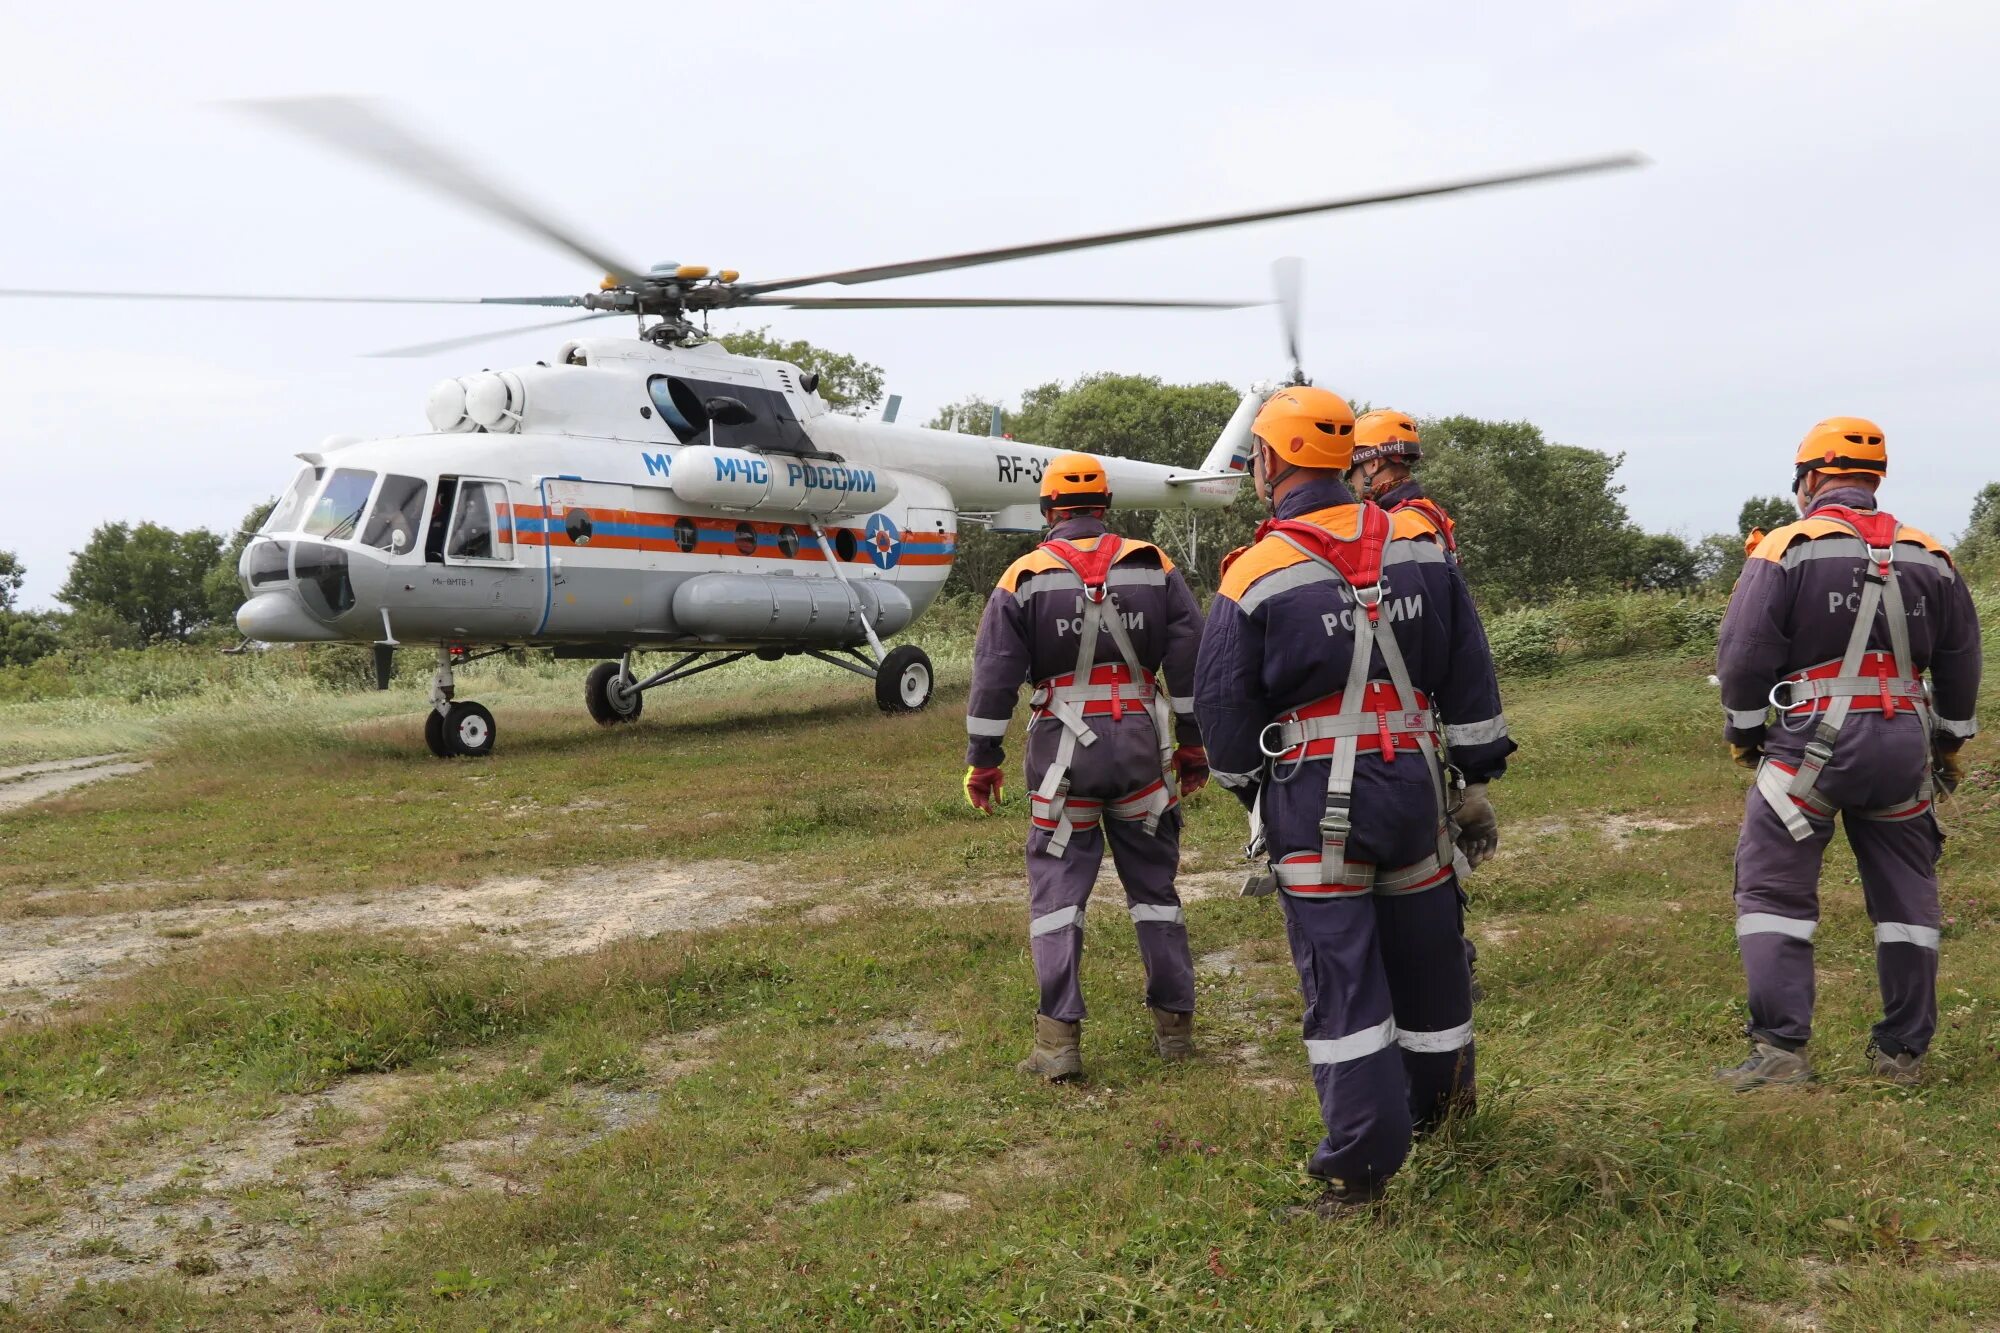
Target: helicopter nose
[277, 617]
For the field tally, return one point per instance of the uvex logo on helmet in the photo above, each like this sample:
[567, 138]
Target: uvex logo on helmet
[1075, 481]
[1385, 433]
[1307, 427]
[1850, 445]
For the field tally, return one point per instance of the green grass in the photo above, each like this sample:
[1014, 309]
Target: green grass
[797, 1171]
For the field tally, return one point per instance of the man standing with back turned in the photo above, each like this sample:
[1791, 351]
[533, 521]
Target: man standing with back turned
[1834, 623]
[1094, 620]
[1341, 649]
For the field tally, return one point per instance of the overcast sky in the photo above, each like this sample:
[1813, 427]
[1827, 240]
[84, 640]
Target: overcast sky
[1816, 237]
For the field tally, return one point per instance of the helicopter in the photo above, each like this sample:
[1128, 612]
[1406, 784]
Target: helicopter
[659, 494]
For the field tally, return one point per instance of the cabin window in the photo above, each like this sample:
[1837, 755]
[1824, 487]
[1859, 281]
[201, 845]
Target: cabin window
[686, 534]
[788, 541]
[269, 562]
[578, 526]
[766, 422]
[284, 515]
[477, 531]
[746, 539]
[844, 544]
[398, 515]
[337, 513]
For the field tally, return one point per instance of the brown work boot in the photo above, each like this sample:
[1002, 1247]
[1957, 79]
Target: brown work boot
[1907, 1068]
[1058, 1053]
[1173, 1035]
[1768, 1067]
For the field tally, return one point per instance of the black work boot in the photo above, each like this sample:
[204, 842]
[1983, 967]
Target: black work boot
[1340, 1199]
[1768, 1067]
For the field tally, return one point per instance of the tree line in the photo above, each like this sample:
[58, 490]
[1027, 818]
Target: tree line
[1537, 521]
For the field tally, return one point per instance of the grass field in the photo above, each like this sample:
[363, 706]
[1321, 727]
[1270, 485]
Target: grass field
[712, 1022]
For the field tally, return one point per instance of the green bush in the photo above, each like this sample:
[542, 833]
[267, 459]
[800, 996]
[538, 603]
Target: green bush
[1526, 642]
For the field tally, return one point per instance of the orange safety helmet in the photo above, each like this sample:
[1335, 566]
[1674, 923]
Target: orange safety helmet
[1851, 445]
[1385, 433]
[1307, 427]
[1075, 481]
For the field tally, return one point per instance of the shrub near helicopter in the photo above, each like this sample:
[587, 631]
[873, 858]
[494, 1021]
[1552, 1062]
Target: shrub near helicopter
[658, 493]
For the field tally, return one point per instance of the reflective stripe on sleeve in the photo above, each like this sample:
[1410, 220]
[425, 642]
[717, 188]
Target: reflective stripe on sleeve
[1283, 580]
[986, 726]
[1050, 922]
[1232, 780]
[1767, 923]
[1353, 1046]
[1951, 726]
[1435, 1043]
[1745, 719]
[1897, 932]
[1183, 707]
[1158, 913]
[1477, 733]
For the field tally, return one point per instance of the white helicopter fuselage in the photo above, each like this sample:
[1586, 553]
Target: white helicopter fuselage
[599, 501]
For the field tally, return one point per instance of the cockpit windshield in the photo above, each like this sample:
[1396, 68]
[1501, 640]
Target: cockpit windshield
[285, 515]
[398, 515]
[337, 514]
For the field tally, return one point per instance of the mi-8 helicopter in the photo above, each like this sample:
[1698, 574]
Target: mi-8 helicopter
[658, 493]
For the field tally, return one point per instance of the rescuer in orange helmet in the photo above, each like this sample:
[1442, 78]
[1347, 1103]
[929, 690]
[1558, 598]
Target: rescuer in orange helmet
[1106, 630]
[1341, 654]
[1834, 624]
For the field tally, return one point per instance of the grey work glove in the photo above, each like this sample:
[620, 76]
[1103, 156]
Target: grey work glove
[1478, 826]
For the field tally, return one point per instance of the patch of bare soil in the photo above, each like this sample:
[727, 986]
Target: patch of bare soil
[909, 1036]
[45, 959]
[31, 782]
[1622, 832]
[274, 1196]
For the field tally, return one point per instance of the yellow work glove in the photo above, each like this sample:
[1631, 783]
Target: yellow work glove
[1746, 756]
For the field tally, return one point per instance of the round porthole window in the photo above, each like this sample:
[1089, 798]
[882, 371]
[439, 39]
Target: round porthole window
[577, 525]
[844, 544]
[746, 539]
[788, 541]
[685, 533]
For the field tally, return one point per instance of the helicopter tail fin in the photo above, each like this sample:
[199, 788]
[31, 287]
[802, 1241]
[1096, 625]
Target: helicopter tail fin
[1230, 455]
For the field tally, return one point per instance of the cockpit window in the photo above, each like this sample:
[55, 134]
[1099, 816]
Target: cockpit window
[752, 418]
[337, 512]
[398, 515]
[285, 516]
[476, 532]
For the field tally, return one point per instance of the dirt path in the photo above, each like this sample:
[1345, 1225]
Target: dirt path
[31, 782]
[45, 959]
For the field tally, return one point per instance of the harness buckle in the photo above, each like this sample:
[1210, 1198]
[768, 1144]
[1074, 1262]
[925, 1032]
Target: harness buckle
[1335, 824]
[1819, 750]
[1095, 592]
[1788, 704]
[1370, 599]
[1264, 744]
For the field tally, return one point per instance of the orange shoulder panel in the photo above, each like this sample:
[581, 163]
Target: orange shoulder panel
[1266, 557]
[1133, 546]
[1408, 523]
[1906, 533]
[1774, 546]
[1036, 561]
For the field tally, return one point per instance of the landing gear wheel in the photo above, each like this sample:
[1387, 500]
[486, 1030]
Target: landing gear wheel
[468, 731]
[605, 695]
[434, 734]
[903, 681]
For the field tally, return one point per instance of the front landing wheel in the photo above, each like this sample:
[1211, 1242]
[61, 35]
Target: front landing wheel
[606, 695]
[434, 734]
[468, 731]
[903, 681]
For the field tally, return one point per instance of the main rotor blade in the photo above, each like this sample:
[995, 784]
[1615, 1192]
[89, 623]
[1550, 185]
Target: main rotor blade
[1288, 276]
[318, 300]
[469, 339]
[980, 303]
[974, 258]
[360, 129]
